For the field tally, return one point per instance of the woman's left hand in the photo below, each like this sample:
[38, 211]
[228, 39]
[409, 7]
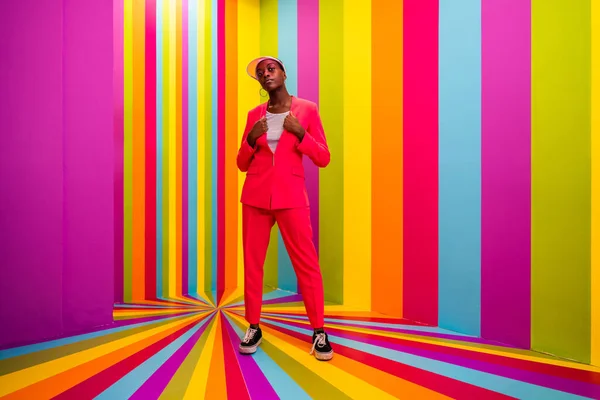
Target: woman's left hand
[292, 125]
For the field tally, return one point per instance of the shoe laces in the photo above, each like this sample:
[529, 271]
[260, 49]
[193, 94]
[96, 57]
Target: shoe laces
[320, 341]
[249, 335]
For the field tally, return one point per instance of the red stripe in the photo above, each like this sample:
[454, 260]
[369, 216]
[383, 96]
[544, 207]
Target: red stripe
[236, 387]
[150, 285]
[100, 382]
[438, 383]
[221, 152]
[421, 160]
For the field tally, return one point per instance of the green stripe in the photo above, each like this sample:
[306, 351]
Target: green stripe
[331, 181]
[127, 164]
[561, 176]
[315, 386]
[268, 46]
[179, 383]
[207, 153]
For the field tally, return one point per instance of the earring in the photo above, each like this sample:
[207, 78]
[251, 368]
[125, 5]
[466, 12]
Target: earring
[260, 93]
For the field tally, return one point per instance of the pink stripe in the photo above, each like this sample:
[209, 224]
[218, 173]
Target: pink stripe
[506, 171]
[308, 88]
[184, 149]
[221, 150]
[421, 160]
[118, 100]
[150, 287]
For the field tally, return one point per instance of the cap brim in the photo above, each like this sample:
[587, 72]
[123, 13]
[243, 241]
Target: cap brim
[251, 68]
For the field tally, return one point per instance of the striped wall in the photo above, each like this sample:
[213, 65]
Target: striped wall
[595, 112]
[464, 138]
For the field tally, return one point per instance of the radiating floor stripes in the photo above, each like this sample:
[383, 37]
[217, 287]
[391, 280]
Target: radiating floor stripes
[186, 348]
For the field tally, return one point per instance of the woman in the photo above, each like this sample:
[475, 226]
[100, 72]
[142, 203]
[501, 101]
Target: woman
[277, 136]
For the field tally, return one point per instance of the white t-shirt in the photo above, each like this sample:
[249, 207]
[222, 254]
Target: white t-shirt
[275, 128]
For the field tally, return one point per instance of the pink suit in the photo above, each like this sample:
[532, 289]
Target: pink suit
[275, 191]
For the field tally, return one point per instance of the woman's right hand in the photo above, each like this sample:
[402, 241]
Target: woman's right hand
[259, 129]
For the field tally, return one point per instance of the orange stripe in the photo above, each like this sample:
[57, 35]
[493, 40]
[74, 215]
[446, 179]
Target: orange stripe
[138, 156]
[179, 157]
[216, 387]
[231, 143]
[387, 160]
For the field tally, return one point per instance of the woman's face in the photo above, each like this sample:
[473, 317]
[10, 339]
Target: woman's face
[270, 75]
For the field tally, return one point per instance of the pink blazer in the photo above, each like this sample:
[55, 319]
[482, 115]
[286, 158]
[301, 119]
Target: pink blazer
[276, 180]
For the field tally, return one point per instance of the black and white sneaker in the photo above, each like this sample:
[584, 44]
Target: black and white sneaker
[321, 347]
[251, 341]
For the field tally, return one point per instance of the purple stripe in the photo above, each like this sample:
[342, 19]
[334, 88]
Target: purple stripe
[154, 386]
[506, 171]
[308, 88]
[118, 99]
[184, 150]
[256, 382]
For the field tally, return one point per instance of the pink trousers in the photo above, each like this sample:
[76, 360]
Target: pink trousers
[296, 231]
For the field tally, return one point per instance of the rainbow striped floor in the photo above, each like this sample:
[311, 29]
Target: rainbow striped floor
[187, 348]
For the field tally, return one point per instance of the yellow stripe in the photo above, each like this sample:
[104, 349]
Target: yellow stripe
[172, 78]
[201, 145]
[197, 385]
[357, 150]
[596, 183]
[332, 374]
[248, 48]
[28, 376]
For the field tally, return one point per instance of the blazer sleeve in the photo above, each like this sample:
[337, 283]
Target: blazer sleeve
[245, 152]
[314, 143]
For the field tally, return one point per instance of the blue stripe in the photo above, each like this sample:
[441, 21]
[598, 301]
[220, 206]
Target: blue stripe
[192, 147]
[275, 294]
[159, 148]
[460, 166]
[200, 298]
[366, 324]
[32, 348]
[215, 138]
[126, 386]
[288, 53]
[282, 383]
[500, 384]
